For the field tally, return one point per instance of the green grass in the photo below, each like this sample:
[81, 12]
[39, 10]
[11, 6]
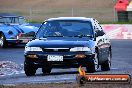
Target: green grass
[130, 22]
[37, 15]
[103, 15]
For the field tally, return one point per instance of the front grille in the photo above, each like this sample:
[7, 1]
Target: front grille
[56, 50]
[29, 35]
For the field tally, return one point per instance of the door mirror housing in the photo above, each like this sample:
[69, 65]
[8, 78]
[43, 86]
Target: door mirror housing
[99, 33]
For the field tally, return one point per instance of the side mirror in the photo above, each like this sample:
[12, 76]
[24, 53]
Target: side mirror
[99, 33]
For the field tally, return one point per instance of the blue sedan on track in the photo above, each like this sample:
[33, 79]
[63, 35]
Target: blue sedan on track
[14, 30]
[66, 42]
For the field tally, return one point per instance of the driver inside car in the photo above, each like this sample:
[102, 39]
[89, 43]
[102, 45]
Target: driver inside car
[54, 30]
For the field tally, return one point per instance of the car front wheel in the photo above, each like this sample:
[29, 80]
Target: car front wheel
[29, 69]
[93, 65]
[107, 64]
[3, 42]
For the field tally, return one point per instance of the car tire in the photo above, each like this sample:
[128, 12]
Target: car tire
[29, 69]
[46, 70]
[93, 65]
[107, 64]
[3, 42]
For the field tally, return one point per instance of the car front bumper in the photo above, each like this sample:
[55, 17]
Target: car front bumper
[20, 38]
[17, 41]
[69, 59]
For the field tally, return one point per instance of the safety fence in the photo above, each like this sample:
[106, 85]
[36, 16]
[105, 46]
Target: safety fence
[39, 15]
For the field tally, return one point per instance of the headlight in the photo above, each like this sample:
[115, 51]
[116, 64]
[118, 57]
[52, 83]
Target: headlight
[33, 49]
[80, 49]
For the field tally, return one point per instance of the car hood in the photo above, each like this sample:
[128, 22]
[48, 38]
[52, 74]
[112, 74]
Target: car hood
[24, 28]
[61, 43]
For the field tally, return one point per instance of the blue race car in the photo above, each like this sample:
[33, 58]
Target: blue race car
[14, 30]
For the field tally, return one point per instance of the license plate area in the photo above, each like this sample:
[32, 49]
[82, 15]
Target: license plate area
[54, 58]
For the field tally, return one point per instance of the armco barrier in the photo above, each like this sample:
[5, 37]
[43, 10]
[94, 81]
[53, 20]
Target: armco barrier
[118, 31]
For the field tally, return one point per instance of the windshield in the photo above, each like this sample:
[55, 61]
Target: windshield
[64, 28]
[12, 20]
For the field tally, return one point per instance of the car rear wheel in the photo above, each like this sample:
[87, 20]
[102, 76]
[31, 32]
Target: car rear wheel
[93, 65]
[29, 69]
[46, 70]
[3, 42]
[107, 64]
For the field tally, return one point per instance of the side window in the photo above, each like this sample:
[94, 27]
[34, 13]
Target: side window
[40, 32]
[97, 25]
[98, 29]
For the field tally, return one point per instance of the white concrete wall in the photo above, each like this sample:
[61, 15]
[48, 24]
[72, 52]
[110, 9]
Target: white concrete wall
[118, 31]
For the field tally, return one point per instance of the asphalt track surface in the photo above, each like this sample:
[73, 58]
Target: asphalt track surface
[121, 64]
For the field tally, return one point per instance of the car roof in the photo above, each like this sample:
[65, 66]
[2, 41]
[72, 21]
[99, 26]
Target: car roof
[70, 18]
[8, 15]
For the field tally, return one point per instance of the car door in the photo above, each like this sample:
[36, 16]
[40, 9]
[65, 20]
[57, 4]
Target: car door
[101, 42]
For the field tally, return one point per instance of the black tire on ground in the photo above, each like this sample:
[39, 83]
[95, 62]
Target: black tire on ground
[29, 69]
[93, 65]
[90, 68]
[107, 64]
[46, 70]
[3, 42]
